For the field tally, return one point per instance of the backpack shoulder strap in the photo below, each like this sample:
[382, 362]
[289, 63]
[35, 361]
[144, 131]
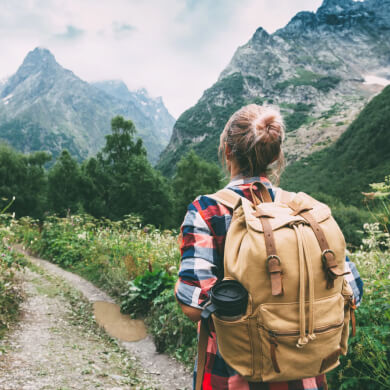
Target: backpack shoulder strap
[227, 197]
[283, 196]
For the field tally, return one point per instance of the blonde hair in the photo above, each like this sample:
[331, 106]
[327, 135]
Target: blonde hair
[254, 135]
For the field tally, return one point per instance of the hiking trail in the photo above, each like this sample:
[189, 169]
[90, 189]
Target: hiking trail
[54, 347]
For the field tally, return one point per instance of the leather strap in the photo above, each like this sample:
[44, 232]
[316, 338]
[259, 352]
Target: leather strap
[264, 193]
[330, 264]
[273, 260]
[352, 307]
[202, 354]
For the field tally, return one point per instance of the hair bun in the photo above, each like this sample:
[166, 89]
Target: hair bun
[270, 124]
[265, 120]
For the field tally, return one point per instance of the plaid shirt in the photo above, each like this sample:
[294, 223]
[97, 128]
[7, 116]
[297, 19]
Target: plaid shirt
[204, 229]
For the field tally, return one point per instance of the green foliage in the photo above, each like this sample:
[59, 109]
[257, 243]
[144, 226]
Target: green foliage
[10, 263]
[299, 115]
[367, 364]
[141, 291]
[306, 77]
[334, 110]
[380, 202]
[121, 181]
[106, 253]
[360, 156]
[65, 181]
[28, 136]
[194, 176]
[172, 331]
[23, 177]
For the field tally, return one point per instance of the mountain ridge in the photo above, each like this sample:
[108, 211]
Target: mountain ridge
[45, 106]
[315, 65]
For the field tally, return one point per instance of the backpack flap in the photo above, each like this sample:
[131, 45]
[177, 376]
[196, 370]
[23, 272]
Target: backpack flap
[280, 214]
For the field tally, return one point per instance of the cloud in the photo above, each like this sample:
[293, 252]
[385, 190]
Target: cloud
[71, 33]
[122, 30]
[173, 48]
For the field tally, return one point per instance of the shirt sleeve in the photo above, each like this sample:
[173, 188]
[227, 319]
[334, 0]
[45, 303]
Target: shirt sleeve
[198, 268]
[354, 280]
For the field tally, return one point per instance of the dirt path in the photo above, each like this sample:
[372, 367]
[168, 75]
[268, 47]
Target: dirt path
[58, 346]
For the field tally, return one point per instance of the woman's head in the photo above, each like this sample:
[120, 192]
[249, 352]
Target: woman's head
[252, 139]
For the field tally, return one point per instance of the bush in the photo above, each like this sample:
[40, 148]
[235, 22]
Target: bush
[367, 364]
[143, 289]
[172, 331]
[10, 292]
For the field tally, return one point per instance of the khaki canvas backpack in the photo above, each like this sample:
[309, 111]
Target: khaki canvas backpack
[290, 256]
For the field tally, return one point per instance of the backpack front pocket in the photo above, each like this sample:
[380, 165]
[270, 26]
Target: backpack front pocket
[283, 359]
[235, 343]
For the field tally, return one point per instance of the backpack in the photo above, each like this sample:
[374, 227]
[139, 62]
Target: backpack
[290, 257]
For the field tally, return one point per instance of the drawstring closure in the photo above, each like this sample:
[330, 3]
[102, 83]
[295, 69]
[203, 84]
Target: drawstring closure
[304, 258]
[309, 266]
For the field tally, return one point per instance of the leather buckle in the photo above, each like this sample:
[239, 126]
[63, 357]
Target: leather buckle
[270, 257]
[324, 259]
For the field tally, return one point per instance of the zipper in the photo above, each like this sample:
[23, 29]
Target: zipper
[274, 344]
[274, 333]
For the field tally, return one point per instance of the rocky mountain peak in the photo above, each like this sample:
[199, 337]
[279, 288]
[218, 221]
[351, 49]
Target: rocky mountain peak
[332, 5]
[260, 35]
[116, 88]
[38, 61]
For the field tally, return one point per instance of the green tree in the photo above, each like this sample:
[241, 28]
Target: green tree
[194, 176]
[125, 180]
[23, 177]
[95, 187]
[65, 183]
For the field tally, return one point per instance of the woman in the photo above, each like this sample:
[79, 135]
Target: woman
[250, 143]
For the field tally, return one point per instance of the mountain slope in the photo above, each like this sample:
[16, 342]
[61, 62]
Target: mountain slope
[314, 69]
[359, 157]
[162, 122]
[46, 107]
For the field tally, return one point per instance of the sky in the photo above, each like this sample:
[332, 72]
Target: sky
[174, 48]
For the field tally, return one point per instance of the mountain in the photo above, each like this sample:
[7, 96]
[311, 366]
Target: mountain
[46, 107]
[359, 157]
[315, 69]
[152, 108]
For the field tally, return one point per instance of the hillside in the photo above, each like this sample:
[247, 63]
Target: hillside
[318, 69]
[46, 107]
[360, 156]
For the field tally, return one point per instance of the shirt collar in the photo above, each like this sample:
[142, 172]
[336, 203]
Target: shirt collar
[239, 179]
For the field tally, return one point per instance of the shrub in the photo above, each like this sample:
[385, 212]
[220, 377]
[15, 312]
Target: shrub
[10, 292]
[367, 364]
[172, 331]
[143, 289]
